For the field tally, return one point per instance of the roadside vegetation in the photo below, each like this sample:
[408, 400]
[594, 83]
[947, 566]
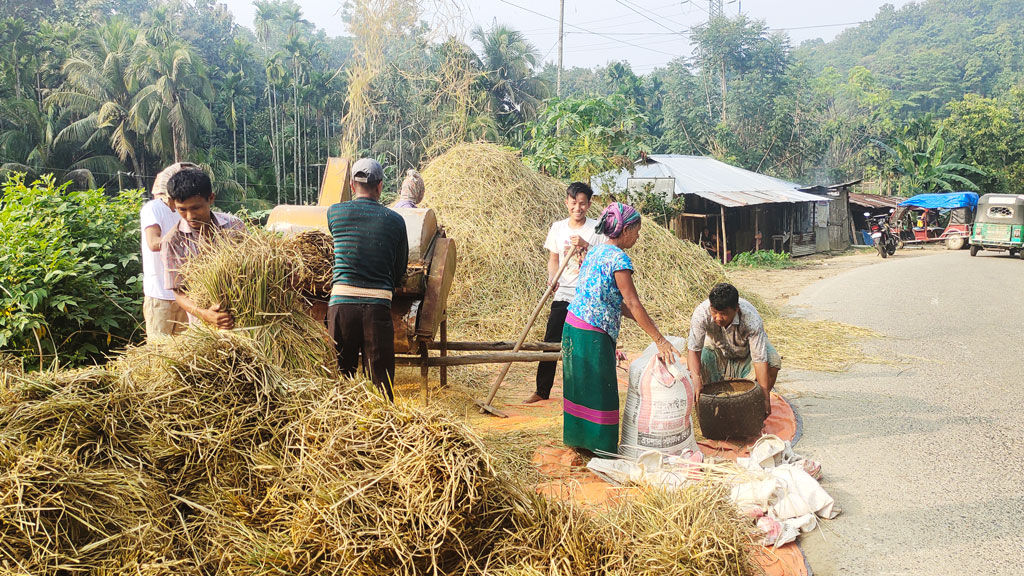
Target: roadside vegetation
[763, 259]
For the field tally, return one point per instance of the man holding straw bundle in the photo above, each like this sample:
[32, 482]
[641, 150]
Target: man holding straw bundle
[192, 193]
[371, 253]
[569, 238]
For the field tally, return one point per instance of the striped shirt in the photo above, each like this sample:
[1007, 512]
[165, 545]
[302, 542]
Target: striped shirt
[371, 248]
[744, 337]
[183, 242]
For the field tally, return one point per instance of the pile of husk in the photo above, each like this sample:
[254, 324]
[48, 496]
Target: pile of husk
[499, 211]
[240, 453]
[316, 249]
[201, 455]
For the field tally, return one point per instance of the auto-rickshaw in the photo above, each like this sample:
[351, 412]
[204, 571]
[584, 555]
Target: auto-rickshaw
[999, 224]
[943, 217]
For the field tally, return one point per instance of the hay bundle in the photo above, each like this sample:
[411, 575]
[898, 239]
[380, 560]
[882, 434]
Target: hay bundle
[392, 489]
[256, 276]
[10, 367]
[499, 211]
[60, 516]
[81, 409]
[317, 252]
[209, 399]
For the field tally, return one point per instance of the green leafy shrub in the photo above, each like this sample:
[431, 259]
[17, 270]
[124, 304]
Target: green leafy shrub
[763, 259]
[70, 276]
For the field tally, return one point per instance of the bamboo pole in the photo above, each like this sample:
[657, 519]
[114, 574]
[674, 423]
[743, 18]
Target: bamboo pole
[486, 406]
[498, 346]
[506, 358]
[725, 239]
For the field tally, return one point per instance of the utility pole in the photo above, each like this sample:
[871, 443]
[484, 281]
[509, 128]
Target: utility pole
[561, 36]
[714, 9]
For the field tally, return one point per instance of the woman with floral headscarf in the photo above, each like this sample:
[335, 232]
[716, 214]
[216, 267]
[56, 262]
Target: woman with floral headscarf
[412, 190]
[604, 292]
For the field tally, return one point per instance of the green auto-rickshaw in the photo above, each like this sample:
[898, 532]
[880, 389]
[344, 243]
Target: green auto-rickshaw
[999, 224]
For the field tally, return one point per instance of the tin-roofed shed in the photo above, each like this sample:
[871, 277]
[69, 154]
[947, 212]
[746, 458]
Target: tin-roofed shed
[728, 209]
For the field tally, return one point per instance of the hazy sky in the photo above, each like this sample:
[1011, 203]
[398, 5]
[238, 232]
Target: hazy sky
[647, 33]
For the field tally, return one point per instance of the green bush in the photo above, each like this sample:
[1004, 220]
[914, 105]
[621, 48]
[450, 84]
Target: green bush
[70, 276]
[763, 259]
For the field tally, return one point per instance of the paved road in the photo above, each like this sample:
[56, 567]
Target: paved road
[926, 456]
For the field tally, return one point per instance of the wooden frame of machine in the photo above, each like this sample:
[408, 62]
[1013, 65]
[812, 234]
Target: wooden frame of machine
[420, 304]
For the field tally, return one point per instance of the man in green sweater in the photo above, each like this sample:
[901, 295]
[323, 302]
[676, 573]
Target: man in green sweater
[371, 252]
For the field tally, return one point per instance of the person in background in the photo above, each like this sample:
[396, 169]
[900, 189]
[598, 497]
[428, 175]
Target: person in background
[412, 190]
[604, 293]
[157, 218]
[569, 238]
[371, 253]
[727, 340]
[192, 193]
[708, 243]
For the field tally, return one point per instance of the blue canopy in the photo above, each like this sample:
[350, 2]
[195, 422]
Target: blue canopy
[943, 201]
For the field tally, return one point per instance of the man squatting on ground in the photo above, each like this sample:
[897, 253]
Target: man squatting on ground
[157, 218]
[727, 340]
[576, 231]
[371, 253]
[192, 193]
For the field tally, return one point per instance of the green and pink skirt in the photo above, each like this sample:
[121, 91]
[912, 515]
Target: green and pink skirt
[590, 389]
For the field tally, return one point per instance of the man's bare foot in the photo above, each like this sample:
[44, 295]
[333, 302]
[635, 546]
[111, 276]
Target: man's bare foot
[533, 398]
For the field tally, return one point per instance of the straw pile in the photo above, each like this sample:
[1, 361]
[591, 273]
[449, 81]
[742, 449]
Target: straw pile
[499, 212]
[201, 455]
[259, 277]
[317, 252]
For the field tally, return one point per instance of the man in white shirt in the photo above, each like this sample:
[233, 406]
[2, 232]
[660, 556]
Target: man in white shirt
[162, 314]
[574, 235]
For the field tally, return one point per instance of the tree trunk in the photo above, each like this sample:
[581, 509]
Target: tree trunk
[245, 151]
[724, 87]
[273, 144]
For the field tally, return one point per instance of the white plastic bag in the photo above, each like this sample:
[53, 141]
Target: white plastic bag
[658, 406]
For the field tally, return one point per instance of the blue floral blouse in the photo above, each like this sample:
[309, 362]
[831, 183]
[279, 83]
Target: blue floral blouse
[598, 301]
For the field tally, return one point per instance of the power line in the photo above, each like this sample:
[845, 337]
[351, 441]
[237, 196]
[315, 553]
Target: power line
[635, 11]
[685, 33]
[819, 26]
[591, 31]
[584, 47]
[616, 19]
[664, 17]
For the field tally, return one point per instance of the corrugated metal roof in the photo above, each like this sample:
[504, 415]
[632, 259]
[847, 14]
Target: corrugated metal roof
[874, 200]
[713, 180]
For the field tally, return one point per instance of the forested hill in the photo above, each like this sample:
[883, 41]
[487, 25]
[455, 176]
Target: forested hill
[932, 52]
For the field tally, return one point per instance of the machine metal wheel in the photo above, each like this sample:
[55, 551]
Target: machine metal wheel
[954, 242]
[1020, 254]
[975, 250]
[882, 251]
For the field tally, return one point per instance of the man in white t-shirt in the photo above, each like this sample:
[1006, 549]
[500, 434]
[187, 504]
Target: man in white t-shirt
[575, 232]
[162, 314]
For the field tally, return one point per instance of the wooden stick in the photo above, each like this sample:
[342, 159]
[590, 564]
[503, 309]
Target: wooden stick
[489, 358]
[486, 406]
[498, 346]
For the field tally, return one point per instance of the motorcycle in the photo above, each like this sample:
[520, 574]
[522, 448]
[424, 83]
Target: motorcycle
[884, 234]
